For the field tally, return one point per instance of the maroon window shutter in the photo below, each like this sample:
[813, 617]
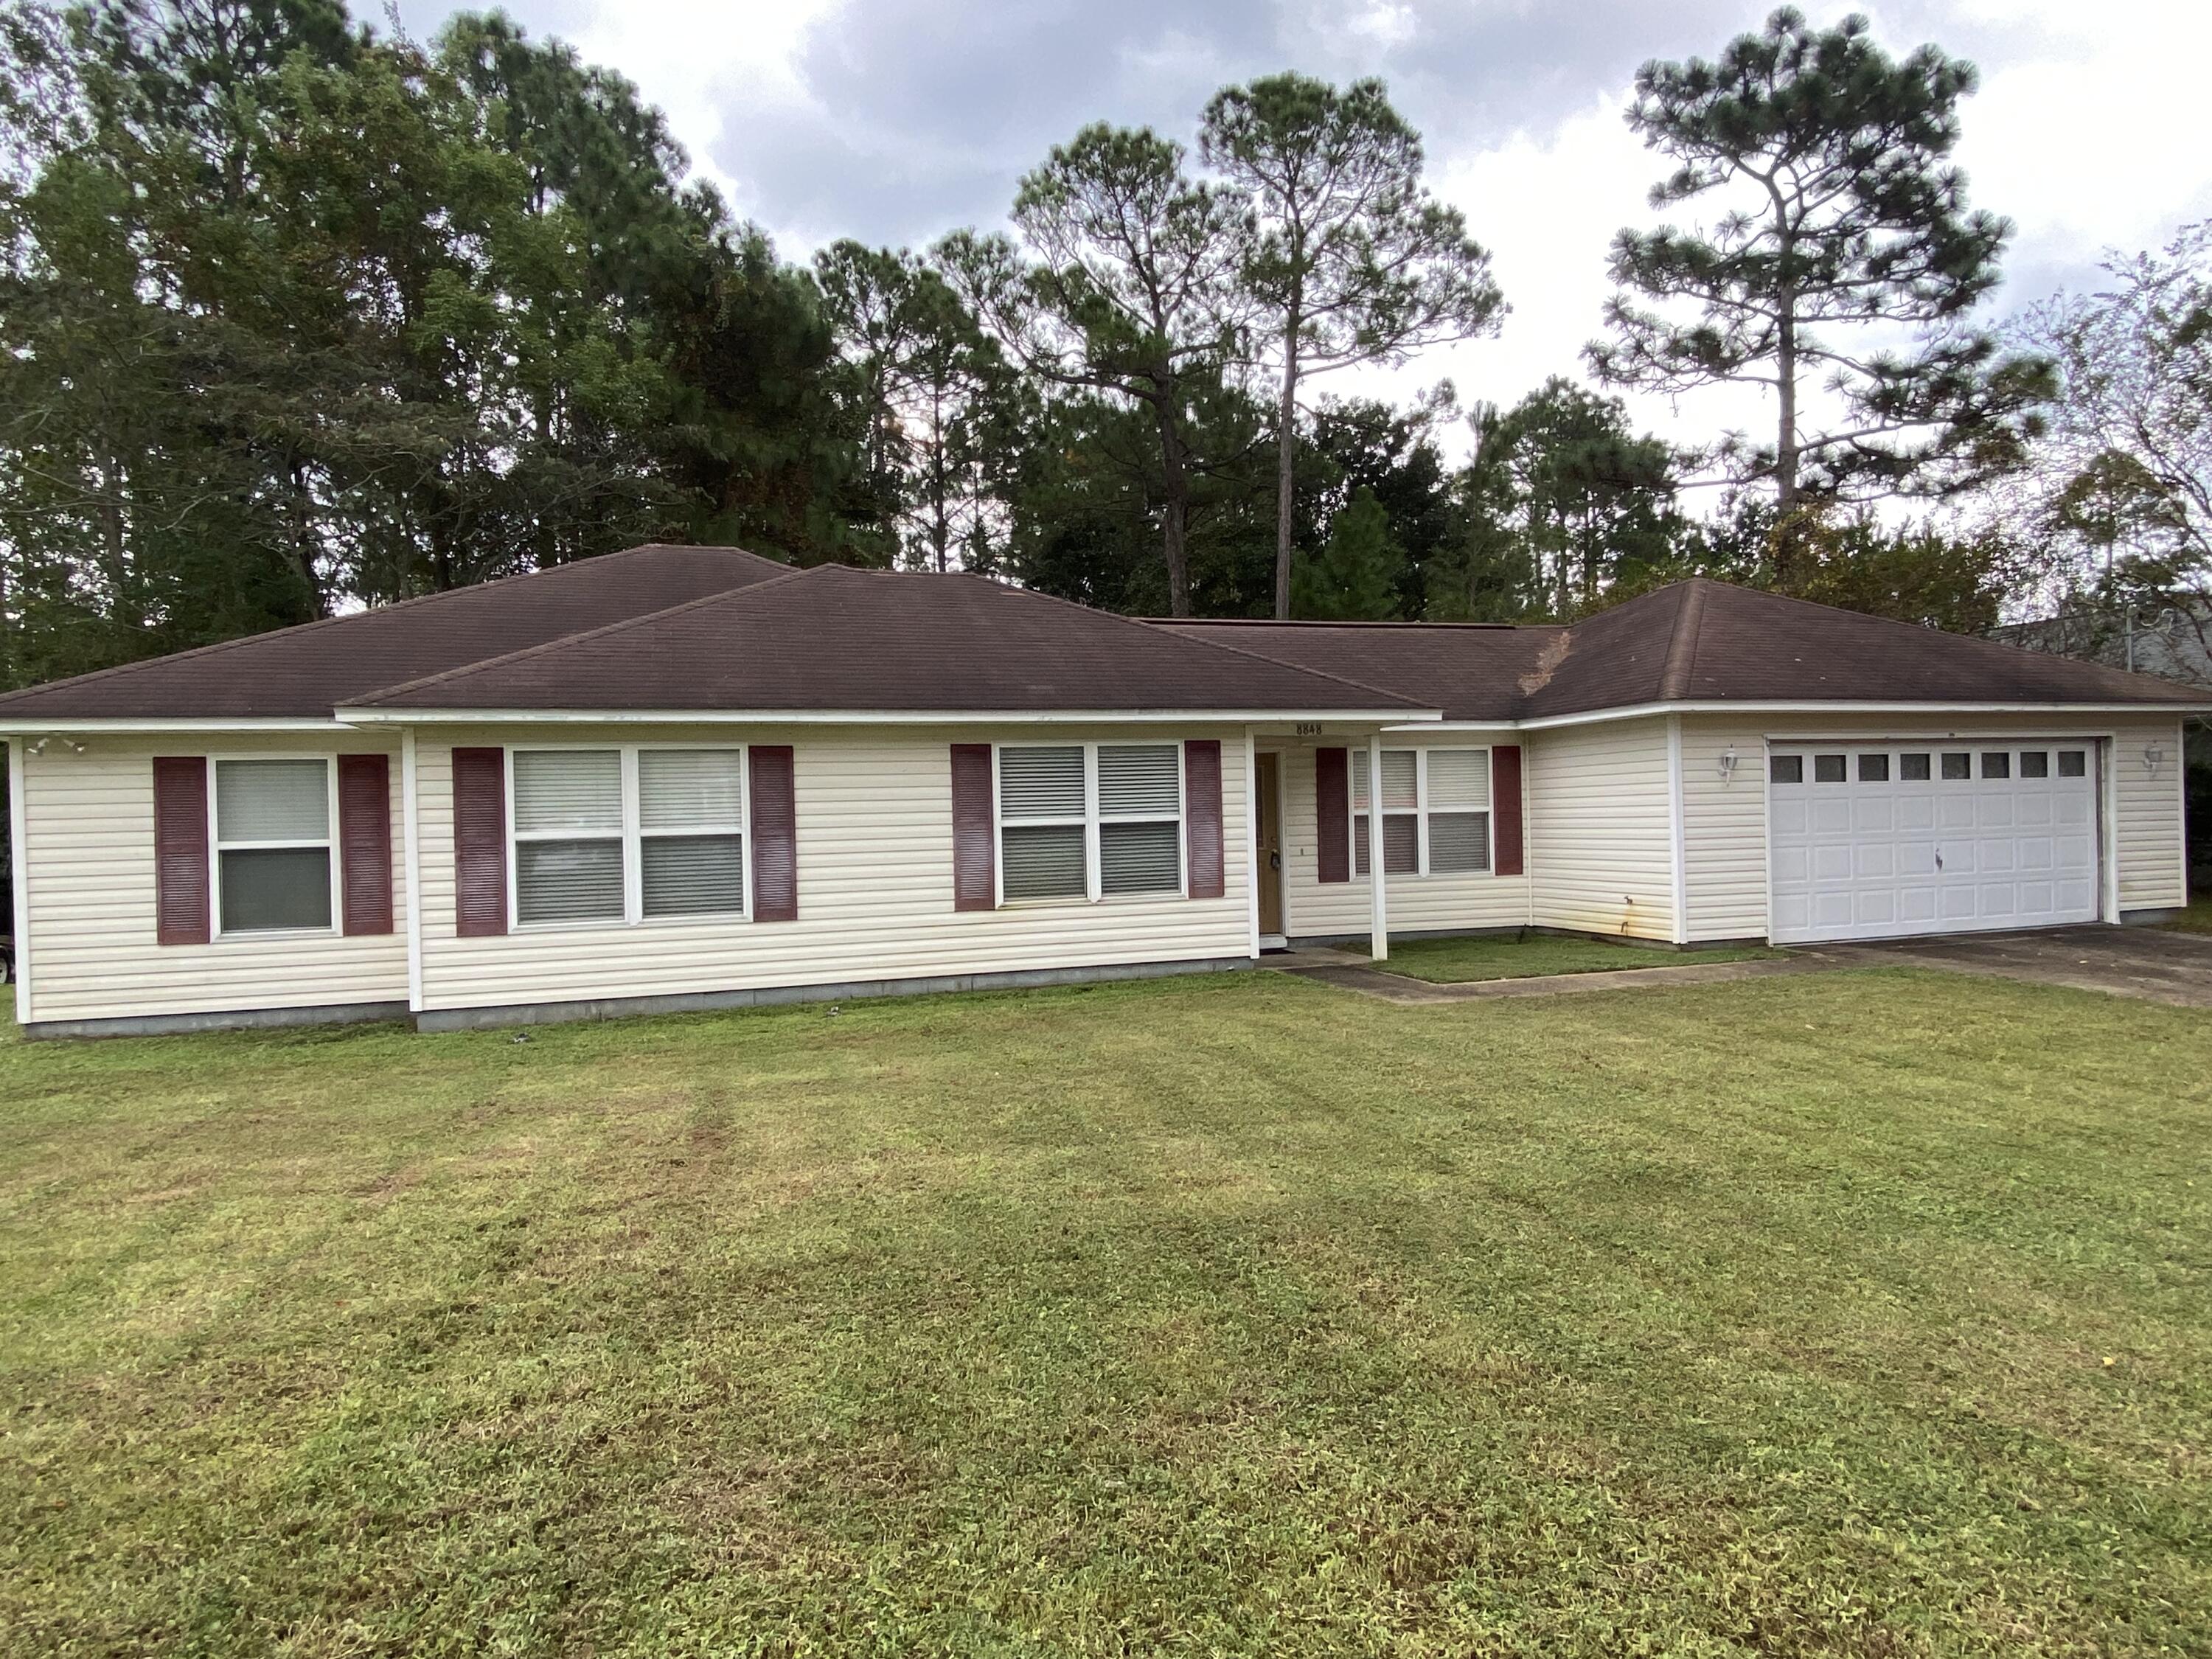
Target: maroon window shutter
[1333, 813]
[775, 834]
[181, 909]
[1201, 806]
[365, 841]
[1506, 806]
[975, 835]
[479, 842]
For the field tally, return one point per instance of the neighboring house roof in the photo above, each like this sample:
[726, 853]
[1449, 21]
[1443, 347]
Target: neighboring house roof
[305, 671]
[833, 638]
[1698, 641]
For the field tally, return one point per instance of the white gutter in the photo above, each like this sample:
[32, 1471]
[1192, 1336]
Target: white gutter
[36, 728]
[873, 716]
[20, 864]
[1839, 706]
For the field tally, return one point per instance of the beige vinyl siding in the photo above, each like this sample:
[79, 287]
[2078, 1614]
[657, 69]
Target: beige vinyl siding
[89, 863]
[1601, 852]
[875, 885]
[1415, 904]
[1724, 824]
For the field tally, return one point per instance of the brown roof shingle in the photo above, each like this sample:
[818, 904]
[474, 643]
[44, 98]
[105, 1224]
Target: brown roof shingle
[833, 638]
[1698, 641]
[305, 671]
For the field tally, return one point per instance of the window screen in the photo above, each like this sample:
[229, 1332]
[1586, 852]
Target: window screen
[273, 844]
[1141, 818]
[1459, 810]
[1043, 860]
[567, 835]
[691, 852]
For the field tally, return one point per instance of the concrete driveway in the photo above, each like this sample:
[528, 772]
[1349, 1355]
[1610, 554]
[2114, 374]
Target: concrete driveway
[2128, 961]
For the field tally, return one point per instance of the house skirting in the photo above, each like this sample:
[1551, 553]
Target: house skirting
[549, 1014]
[235, 1019]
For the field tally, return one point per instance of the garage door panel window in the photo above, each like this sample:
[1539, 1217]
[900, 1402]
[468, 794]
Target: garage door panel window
[1828, 768]
[2073, 762]
[1958, 767]
[2034, 763]
[1436, 812]
[272, 844]
[1996, 763]
[627, 834]
[1912, 769]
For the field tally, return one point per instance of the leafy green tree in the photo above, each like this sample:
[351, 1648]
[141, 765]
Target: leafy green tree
[1122, 284]
[1347, 257]
[1359, 573]
[1841, 222]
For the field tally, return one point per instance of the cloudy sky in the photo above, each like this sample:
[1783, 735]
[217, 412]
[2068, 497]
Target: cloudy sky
[896, 121]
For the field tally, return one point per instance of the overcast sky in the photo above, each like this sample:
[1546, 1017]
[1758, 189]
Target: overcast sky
[896, 121]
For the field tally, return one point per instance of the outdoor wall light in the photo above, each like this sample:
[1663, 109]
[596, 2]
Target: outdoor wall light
[1727, 764]
[2154, 757]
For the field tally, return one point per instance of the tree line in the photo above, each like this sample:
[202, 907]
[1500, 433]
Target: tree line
[300, 315]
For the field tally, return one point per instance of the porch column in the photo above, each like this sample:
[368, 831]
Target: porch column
[1378, 921]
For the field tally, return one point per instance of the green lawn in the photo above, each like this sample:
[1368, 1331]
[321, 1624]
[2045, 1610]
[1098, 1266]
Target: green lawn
[2197, 918]
[1863, 1313]
[1508, 955]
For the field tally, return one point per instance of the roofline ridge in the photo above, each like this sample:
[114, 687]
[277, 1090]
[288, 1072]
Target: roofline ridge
[1325, 622]
[1682, 644]
[123, 670]
[1211, 645]
[368, 699]
[1917, 627]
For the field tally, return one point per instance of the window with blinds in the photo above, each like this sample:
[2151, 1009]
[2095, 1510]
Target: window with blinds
[1436, 811]
[1140, 818]
[1044, 814]
[627, 834]
[691, 843]
[568, 835]
[1090, 820]
[272, 844]
[1402, 820]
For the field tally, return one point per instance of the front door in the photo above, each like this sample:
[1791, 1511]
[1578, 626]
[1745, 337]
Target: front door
[1271, 844]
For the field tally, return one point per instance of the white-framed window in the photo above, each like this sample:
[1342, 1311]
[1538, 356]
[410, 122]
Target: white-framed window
[626, 833]
[272, 822]
[1436, 811]
[1088, 820]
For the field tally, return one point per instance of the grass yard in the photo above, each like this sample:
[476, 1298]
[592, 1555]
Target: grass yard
[1866, 1312]
[2195, 919]
[1509, 955]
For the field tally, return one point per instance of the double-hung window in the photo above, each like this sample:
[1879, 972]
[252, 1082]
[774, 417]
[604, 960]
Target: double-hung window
[1086, 821]
[1436, 811]
[272, 840]
[629, 834]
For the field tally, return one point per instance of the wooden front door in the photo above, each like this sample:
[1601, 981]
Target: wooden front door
[1270, 843]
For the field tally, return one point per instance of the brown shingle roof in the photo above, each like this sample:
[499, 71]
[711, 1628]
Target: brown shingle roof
[839, 638]
[1698, 641]
[307, 671]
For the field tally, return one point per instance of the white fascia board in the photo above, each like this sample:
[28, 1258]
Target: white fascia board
[1838, 706]
[1457, 725]
[31, 728]
[871, 717]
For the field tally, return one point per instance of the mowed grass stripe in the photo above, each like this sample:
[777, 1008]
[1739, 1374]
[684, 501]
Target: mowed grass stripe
[1863, 1312]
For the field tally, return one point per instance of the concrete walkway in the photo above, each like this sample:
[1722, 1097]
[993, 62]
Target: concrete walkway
[2147, 963]
[1354, 973]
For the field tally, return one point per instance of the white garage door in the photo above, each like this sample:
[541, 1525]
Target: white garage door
[1875, 842]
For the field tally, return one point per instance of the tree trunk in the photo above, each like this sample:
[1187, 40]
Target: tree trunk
[1786, 458]
[1174, 503]
[1287, 457]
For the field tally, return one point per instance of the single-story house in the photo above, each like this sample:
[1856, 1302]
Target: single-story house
[684, 777]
